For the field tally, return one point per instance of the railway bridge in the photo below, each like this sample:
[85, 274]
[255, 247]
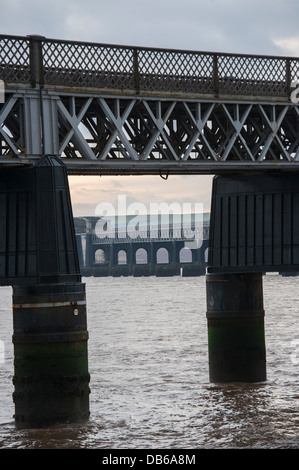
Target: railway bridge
[78, 108]
[133, 245]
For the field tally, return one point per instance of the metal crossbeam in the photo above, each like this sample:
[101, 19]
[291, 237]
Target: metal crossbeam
[115, 109]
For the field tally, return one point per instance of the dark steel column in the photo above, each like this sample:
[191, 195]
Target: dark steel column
[39, 258]
[253, 230]
[51, 376]
[236, 338]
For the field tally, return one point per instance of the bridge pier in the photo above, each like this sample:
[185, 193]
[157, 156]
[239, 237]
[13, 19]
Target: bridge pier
[235, 317]
[253, 230]
[38, 257]
[51, 377]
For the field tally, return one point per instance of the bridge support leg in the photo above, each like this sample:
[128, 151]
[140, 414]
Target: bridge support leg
[39, 258]
[253, 229]
[50, 354]
[235, 318]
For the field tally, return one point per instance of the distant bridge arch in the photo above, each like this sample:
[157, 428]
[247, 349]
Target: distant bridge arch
[141, 256]
[185, 255]
[99, 256]
[122, 257]
[162, 255]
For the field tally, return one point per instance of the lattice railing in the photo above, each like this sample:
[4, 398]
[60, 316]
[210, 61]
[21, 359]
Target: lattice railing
[15, 59]
[90, 65]
[81, 64]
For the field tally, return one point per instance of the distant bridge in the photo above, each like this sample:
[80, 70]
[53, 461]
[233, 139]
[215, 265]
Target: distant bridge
[150, 250]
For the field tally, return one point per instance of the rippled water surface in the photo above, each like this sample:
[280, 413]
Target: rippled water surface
[149, 372]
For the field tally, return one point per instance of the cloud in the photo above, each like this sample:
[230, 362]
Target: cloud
[142, 189]
[83, 25]
[289, 46]
[216, 25]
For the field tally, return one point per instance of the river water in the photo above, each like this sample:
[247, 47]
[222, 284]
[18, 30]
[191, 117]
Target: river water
[149, 373]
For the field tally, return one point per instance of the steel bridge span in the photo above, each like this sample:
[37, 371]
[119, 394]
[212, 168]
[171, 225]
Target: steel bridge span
[108, 109]
[74, 108]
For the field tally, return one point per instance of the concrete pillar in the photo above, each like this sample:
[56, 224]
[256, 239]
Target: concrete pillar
[235, 316]
[80, 250]
[89, 251]
[51, 376]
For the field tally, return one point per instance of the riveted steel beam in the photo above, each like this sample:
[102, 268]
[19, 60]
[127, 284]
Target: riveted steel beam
[113, 135]
[106, 109]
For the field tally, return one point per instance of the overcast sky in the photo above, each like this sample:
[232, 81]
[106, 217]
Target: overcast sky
[243, 26]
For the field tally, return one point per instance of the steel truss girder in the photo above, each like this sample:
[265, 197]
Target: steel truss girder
[98, 134]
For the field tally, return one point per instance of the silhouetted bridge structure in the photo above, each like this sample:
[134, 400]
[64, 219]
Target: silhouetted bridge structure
[81, 108]
[163, 250]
